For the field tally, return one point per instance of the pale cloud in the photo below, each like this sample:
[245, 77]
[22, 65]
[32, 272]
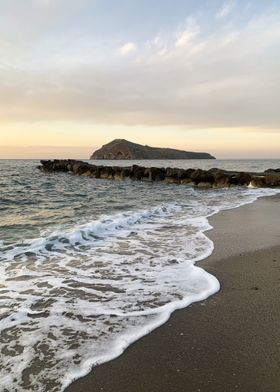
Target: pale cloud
[44, 3]
[231, 38]
[185, 36]
[157, 40]
[128, 48]
[191, 79]
[226, 9]
[199, 48]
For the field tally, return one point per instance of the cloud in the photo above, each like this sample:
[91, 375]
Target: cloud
[189, 76]
[44, 3]
[226, 9]
[128, 48]
[185, 36]
[231, 37]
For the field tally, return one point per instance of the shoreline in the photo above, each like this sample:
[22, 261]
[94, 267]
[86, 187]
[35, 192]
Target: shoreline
[228, 342]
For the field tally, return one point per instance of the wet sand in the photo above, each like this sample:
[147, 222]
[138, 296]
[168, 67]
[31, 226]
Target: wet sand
[230, 342]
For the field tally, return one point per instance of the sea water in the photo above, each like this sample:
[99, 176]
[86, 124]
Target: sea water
[89, 266]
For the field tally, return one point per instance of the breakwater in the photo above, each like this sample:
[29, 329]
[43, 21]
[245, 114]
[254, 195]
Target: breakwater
[213, 178]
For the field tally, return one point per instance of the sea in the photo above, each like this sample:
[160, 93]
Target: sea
[88, 266]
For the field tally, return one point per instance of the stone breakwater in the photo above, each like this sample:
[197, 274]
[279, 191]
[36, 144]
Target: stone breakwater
[213, 178]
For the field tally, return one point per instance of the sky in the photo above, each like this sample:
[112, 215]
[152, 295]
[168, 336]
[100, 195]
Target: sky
[200, 75]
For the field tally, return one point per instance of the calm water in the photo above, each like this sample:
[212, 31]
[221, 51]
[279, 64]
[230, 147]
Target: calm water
[88, 266]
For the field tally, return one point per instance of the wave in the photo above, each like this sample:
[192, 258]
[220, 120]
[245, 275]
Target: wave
[79, 296]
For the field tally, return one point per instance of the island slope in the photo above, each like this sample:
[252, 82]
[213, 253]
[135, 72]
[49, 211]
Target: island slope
[123, 149]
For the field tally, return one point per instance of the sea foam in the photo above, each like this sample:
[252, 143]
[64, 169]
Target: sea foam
[77, 297]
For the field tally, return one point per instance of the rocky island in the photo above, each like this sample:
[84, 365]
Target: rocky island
[123, 149]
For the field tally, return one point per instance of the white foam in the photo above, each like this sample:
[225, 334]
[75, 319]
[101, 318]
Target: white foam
[77, 298]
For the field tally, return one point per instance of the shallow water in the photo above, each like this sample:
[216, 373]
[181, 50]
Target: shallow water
[88, 266]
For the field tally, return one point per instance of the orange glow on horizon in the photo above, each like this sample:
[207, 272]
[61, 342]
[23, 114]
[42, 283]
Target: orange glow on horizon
[79, 140]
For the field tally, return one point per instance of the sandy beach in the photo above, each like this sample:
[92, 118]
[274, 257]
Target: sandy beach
[229, 342]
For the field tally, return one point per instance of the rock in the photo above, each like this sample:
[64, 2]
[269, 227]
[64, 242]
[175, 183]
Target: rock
[241, 178]
[123, 149]
[120, 173]
[244, 178]
[204, 184]
[80, 168]
[272, 180]
[215, 171]
[178, 175]
[154, 174]
[107, 172]
[201, 178]
[187, 181]
[221, 180]
[173, 175]
[272, 171]
[199, 175]
[257, 182]
[138, 172]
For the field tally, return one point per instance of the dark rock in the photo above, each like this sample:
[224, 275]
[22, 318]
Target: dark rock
[106, 172]
[80, 168]
[199, 175]
[137, 172]
[173, 175]
[244, 178]
[187, 181]
[241, 178]
[201, 178]
[272, 171]
[204, 184]
[154, 174]
[215, 171]
[221, 180]
[120, 173]
[272, 180]
[258, 182]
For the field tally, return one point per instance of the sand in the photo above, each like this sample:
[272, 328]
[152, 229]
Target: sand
[230, 342]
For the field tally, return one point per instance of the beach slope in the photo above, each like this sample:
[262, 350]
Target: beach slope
[227, 343]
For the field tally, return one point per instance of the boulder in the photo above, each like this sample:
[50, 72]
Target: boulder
[257, 182]
[272, 171]
[177, 175]
[221, 179]
[241, 178]
[137, 172]
[199, 175]
[120, 173]
[80, 167]
[106, 172]
[154, 174]
[204, 184]
[272, 180]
